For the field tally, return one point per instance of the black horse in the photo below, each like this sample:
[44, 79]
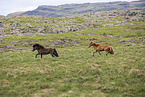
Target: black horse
[41, 50]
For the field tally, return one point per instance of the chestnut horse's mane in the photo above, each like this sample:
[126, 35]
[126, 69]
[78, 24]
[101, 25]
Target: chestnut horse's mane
[96, 44]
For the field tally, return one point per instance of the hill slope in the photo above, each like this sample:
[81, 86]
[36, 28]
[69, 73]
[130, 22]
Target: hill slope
[75, 9]
[44, 26]
[76, 73]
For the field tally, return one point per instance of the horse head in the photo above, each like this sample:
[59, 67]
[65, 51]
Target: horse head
[93, 44]
[36, 46]
[90, 44]
[55, 53]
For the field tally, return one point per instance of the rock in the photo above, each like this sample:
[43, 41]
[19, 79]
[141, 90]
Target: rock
[62, 42]
[2, 49]
[76, 44]
[14, 41]
[8, 35]
[42, 34]
[140, 38]
[41, 29]
[143, 40]
[79, 34]
[2, 40]
[92, 39]
[104, 34]
[123, 41]
[25, 44]
[120, 37]
[10, 46]
[110, 36]
[133, 40]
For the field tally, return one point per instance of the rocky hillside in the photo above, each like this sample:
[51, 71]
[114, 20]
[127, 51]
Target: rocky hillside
[25, 30]
[44, 25]
[75, 9]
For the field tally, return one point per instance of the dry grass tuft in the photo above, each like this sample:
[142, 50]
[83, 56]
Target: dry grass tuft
[137, 72]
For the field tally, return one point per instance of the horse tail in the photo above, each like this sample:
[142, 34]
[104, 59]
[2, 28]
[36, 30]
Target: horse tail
[55, 52]
[111, 51]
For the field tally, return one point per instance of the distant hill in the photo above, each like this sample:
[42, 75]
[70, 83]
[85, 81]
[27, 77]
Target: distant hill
[16, 13]
[75, 9]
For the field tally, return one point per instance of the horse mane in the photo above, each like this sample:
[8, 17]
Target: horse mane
[36, 44]
[95, 44]
[41, 46]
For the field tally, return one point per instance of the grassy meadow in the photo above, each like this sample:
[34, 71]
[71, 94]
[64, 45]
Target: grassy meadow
[76, 72]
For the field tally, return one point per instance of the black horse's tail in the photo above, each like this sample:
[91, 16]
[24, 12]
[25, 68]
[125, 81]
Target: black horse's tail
[55, 53]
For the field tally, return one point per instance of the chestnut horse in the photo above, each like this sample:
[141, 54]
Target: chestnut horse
[99, 48]
[41, 50]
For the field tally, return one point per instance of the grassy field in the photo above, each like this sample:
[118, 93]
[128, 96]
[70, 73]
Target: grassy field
[76, 72]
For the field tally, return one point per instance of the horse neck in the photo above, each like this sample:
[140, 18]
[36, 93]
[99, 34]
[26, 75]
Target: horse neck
[40, 48]
[94, 45]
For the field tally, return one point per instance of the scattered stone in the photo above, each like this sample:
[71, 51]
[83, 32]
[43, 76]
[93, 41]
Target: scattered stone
[63, 42]
[8, 35]
[110, 36]
[79, 34]
[92, 39]
[25, 44]
[14, 41]
[104, 34]
[70, 91]
[130, 44]
[2, 49]
[2, 40]
[10, 46]
[132, 40]
[120, 37]
[42, 34]
[123, 41]
[130, 36]
[140, 38]
[76, 44]
[143, 41]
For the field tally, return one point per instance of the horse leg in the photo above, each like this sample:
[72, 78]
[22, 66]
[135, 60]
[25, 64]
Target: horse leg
[41, 55]
[99, 52]
[36, 55]
[107, 50]
[107, 53]
[93, 53]
[52, 55]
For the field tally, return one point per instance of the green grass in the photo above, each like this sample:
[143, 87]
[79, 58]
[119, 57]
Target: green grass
[75, 72]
